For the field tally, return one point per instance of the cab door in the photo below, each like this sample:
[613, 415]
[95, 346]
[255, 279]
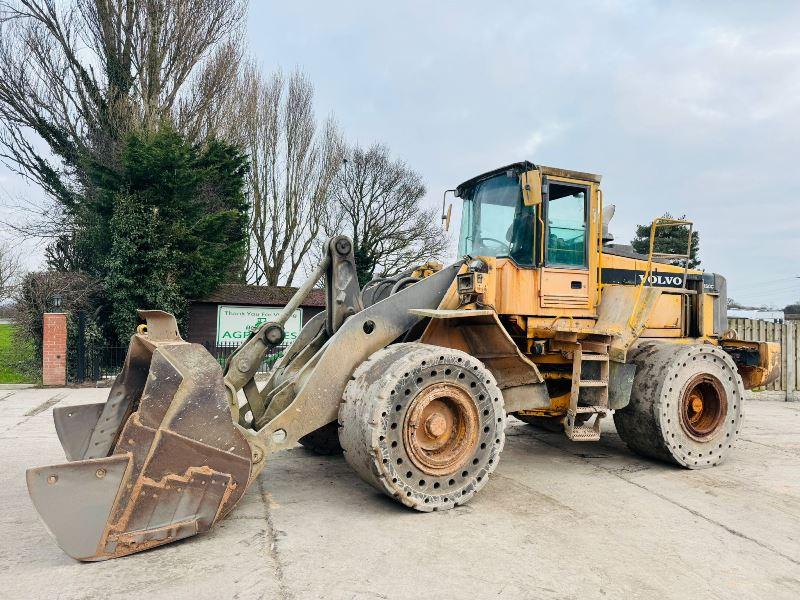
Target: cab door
[567, 277]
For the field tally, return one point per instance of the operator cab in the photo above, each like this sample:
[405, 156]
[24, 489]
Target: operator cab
[506, 216]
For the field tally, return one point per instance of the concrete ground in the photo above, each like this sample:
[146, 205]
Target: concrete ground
[557, 520]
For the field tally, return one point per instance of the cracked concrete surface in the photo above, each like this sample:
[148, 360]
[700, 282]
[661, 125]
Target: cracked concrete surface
[559, 520]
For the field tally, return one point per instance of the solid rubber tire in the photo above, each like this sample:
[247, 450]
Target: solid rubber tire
[651, 423]
[378, 396]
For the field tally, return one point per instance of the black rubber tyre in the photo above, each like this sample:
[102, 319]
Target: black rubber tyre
[324, 440]
[423, 424]
[686, 404]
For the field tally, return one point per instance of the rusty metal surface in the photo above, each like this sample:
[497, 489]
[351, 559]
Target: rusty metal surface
[704, 405]
[759, 363]
[322, 380]
[186, 464]
[375, 416]
[481, 334]
[440, 431]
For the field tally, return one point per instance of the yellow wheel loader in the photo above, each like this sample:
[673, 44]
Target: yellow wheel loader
[415, 375]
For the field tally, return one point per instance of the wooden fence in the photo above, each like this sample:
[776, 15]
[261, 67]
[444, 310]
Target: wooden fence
[783, 333]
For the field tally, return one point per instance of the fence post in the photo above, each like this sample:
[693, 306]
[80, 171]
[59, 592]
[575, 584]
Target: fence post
[54, 349]
[790, 361]
[96, 359]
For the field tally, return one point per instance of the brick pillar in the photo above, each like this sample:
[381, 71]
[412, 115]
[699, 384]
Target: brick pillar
[54, 349]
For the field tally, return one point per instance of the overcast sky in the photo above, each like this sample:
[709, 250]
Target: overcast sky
[688, 107]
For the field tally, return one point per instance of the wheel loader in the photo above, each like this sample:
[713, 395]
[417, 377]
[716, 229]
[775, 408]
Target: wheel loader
[414, 377]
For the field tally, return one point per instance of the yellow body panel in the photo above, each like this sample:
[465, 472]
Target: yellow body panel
[611, 261]
[545, 307]
[667, 313]
[707, 315]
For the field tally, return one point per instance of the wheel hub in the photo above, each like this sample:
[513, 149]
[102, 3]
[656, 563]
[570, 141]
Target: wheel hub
[441, 428]
[703, 407]
[436, 425]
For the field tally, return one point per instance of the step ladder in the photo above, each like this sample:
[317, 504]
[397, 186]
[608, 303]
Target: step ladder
[591, 350]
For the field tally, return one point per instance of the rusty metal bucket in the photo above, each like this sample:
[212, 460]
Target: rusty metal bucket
[160, 460]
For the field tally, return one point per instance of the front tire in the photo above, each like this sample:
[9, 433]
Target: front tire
[686, 404]
[423, 424]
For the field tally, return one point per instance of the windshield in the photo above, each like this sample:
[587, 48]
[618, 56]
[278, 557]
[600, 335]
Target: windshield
[495, 222]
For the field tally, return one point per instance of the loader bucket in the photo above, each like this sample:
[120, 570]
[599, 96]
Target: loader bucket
[159, 461]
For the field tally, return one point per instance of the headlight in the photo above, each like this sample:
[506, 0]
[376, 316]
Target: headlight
[466, 283]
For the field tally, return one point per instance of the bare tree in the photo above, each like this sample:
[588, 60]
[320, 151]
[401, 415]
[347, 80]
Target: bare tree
[80, 74]
[34, 296]
[10, 271]
[379, 203]
[293, 165]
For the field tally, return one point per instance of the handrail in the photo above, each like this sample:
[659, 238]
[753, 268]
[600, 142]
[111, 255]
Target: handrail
[599, 246]
[542, 231]
[661, 222]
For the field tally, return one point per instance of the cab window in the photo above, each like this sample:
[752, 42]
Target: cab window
[566, 225]
[495, 221]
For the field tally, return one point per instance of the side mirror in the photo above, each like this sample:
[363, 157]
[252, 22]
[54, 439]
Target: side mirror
[608, 214]
[531, 188]
[446, 214]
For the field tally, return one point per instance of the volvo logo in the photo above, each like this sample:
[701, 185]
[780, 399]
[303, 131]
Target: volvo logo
[663, 280]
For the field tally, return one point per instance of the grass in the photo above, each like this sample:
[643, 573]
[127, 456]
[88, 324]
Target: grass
[15, 357]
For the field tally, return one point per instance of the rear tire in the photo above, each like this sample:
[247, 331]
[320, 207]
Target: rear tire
[423, 424]
[685, 406]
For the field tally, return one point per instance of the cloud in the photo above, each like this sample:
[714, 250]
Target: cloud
[691, 107]
[722, 82]
[540, 137]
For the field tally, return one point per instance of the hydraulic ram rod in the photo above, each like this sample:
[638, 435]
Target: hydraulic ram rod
[244, 362]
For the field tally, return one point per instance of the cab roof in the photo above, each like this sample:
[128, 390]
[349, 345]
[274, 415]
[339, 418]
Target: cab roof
[527, 166]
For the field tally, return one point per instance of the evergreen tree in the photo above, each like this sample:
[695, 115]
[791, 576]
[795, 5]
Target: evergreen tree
[176, 227]
[669, 240]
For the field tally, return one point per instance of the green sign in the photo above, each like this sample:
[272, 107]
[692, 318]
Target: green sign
[234, 323]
